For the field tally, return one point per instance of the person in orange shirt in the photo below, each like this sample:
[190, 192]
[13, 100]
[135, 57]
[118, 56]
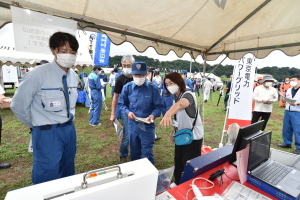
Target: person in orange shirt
[258, 83]
[283, 88]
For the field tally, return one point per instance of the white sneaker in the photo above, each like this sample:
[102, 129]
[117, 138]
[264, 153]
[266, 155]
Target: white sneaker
[96, 124]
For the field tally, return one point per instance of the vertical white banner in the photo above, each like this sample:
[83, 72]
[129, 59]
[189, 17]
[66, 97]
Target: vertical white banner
[32, 30]
[240, 107]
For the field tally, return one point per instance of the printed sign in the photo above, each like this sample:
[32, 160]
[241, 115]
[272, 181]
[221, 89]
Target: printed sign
[32, 30]
[241, 93]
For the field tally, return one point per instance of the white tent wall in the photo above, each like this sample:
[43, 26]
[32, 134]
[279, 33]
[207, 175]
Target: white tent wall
[8, 55]
[197, 26]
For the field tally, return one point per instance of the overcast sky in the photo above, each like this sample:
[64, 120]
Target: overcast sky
[276, 58]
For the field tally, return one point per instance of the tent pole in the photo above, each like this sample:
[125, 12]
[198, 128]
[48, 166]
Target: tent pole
[202, 102]
[191, 65]
[217, 65]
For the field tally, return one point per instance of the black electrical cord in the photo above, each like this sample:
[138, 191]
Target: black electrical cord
[230, 178]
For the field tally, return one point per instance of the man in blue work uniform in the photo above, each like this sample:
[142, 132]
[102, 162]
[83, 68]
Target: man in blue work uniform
[291, 120]
[96, 96]
[188, 82]
[45, 102]
[103, 76]
[141, 98]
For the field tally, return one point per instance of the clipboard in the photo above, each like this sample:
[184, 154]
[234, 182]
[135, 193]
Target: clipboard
[289, 100]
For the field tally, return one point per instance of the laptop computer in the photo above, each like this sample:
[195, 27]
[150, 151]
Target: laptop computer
[271, 173]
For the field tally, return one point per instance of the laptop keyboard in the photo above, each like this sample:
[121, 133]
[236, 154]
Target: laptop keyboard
[272, 173]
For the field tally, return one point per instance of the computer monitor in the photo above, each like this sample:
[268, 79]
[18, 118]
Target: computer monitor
[243, 138]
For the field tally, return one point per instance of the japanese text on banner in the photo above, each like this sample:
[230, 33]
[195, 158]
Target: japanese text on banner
[102, 50]
[241, 92]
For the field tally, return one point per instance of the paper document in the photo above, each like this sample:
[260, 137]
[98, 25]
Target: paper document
[144, 120]
[242, 163]
[118, 127]
[289, 100]
[103, 83]
[30, 147]
[164, 196]
[237, 191]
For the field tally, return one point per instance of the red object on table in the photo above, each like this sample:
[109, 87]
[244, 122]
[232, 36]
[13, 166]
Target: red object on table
[181, 190]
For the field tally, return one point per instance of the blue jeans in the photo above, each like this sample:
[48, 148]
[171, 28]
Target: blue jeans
[291, 126]
[125, 139]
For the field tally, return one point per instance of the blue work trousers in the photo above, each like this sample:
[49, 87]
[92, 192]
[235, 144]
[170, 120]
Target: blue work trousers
[291, 126]
[54, 152]
[95, 112]
[125, 139]
[141, 142]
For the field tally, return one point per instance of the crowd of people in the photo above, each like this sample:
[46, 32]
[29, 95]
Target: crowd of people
[46, 98]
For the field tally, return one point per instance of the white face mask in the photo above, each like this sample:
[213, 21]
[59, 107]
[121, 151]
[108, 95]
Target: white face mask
[287, 82]
[267, 84]
[127, 71]
[65, 60]
[139, 81]
[293, 83]
[173, 89]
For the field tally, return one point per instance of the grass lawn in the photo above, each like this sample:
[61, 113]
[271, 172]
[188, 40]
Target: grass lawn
[98, 147]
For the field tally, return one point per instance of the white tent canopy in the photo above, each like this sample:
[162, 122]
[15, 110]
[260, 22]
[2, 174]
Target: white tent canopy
[200, 27]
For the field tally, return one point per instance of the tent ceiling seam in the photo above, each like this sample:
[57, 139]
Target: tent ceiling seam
[189, 20]
[85, 7]
[240, 23]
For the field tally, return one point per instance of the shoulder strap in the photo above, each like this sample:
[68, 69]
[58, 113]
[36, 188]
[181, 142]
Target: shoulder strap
[179, 98]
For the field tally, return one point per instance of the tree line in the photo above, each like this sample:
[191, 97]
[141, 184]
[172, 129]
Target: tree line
[279, 73]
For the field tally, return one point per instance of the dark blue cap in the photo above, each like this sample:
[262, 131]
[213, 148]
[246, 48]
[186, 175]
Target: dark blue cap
[97, 67]
[183, 72]
[139, 68]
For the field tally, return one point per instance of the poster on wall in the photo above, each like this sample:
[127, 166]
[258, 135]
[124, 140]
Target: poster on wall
[32, 30]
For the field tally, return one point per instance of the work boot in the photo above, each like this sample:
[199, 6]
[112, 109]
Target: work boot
[297, 151]
[4, 165]
[286, 146]
[123, 160]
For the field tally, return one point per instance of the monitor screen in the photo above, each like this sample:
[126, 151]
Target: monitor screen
[243, 138]
[259, 150]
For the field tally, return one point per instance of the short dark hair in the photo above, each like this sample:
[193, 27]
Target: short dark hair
[177, 79]
[297, 76]
[61, 38]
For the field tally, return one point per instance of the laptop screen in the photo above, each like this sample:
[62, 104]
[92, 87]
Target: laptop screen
[259, 150]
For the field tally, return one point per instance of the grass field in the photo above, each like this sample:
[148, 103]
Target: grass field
[98, 147]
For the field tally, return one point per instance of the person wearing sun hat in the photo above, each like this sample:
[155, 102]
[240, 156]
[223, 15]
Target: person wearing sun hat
[264, 96]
